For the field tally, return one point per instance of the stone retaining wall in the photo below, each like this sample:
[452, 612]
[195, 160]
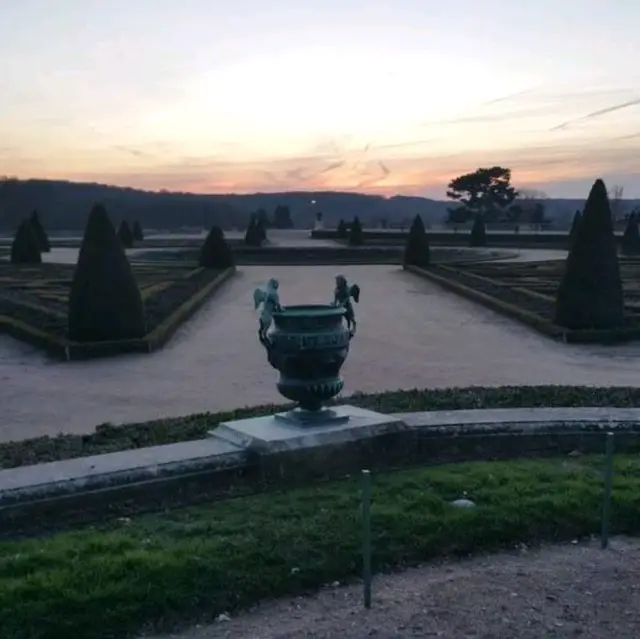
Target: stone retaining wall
[49, 496]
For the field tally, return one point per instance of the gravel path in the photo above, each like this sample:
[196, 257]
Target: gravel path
[564, 592]
[411, 334]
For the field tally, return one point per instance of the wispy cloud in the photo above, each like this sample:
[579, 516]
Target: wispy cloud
[332, 167]
[532, 165]
[131, 151]
[597, 114]
[508, 98]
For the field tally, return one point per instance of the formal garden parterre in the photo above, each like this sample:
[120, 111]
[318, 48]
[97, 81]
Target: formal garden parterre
[526, 291]
[103, 306]
[34, 299]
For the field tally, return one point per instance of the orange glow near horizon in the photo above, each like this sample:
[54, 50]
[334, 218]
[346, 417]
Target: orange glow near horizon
[359, 96]
[426, 176]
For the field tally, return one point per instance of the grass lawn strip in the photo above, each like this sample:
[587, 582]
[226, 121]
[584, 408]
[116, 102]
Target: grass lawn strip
[192, 564]
[108, 438]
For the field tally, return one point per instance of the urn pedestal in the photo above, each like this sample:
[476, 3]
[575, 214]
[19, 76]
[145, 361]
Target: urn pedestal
[308, 345]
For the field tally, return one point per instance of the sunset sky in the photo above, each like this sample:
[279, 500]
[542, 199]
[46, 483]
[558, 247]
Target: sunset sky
[269, 95]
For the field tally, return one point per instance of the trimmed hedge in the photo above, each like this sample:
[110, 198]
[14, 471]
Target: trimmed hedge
[25, 248]
[108, 438]
[590, 295]
[104, 302]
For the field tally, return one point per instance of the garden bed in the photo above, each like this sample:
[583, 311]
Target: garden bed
[109, 438]
[34, 301]
[314, 255]
[189, 565]
[526, 291]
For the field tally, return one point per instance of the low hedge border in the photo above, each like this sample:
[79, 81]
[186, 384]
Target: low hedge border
[165, 330]
[542, 240]
[24, 332]
[319, 256]
[68, 350]
[108, 438]
[446, 279]
[510, 310]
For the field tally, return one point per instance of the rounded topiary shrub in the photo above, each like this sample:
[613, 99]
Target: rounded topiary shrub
[104, 302]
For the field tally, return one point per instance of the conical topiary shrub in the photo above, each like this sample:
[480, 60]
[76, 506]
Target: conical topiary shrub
[215, 251]
[25, 248]
[136, 231]
[125, 235]
[478, 235]
[260, 231]
[342, 230]
[40, 233]
[577, 218]
[631, 237]
[356, 235]
[252, 234]
[590, 292]
[417, 251]
[104, 302]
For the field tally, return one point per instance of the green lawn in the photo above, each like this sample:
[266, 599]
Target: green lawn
[194, 563]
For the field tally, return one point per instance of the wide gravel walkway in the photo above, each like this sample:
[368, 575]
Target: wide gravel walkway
[410, 334]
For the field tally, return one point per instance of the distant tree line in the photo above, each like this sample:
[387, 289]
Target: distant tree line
[64, 205]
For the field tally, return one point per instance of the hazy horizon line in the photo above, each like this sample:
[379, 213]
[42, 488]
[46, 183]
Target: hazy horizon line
[526, 191]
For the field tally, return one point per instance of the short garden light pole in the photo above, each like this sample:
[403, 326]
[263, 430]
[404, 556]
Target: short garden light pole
[608, 483]
[366, 536]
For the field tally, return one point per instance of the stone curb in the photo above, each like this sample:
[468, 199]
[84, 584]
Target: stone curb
[62, 493]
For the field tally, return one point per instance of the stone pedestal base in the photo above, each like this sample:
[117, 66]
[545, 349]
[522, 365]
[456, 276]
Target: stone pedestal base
[296, 430]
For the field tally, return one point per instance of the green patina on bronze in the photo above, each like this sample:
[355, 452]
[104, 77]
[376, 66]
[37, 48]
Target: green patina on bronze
[307, 344]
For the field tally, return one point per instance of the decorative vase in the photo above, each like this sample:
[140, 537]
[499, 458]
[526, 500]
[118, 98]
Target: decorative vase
[308, 345]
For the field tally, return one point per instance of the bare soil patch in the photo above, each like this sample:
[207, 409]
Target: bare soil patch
[565, 591]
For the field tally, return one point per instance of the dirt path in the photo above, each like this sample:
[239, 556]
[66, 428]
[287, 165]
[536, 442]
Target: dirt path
[559, 591]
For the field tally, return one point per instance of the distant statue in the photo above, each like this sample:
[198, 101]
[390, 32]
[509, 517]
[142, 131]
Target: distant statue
[342, 296]
[270, 300]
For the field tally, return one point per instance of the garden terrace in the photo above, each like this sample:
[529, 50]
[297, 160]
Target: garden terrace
[34, 305]
[526, 291]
